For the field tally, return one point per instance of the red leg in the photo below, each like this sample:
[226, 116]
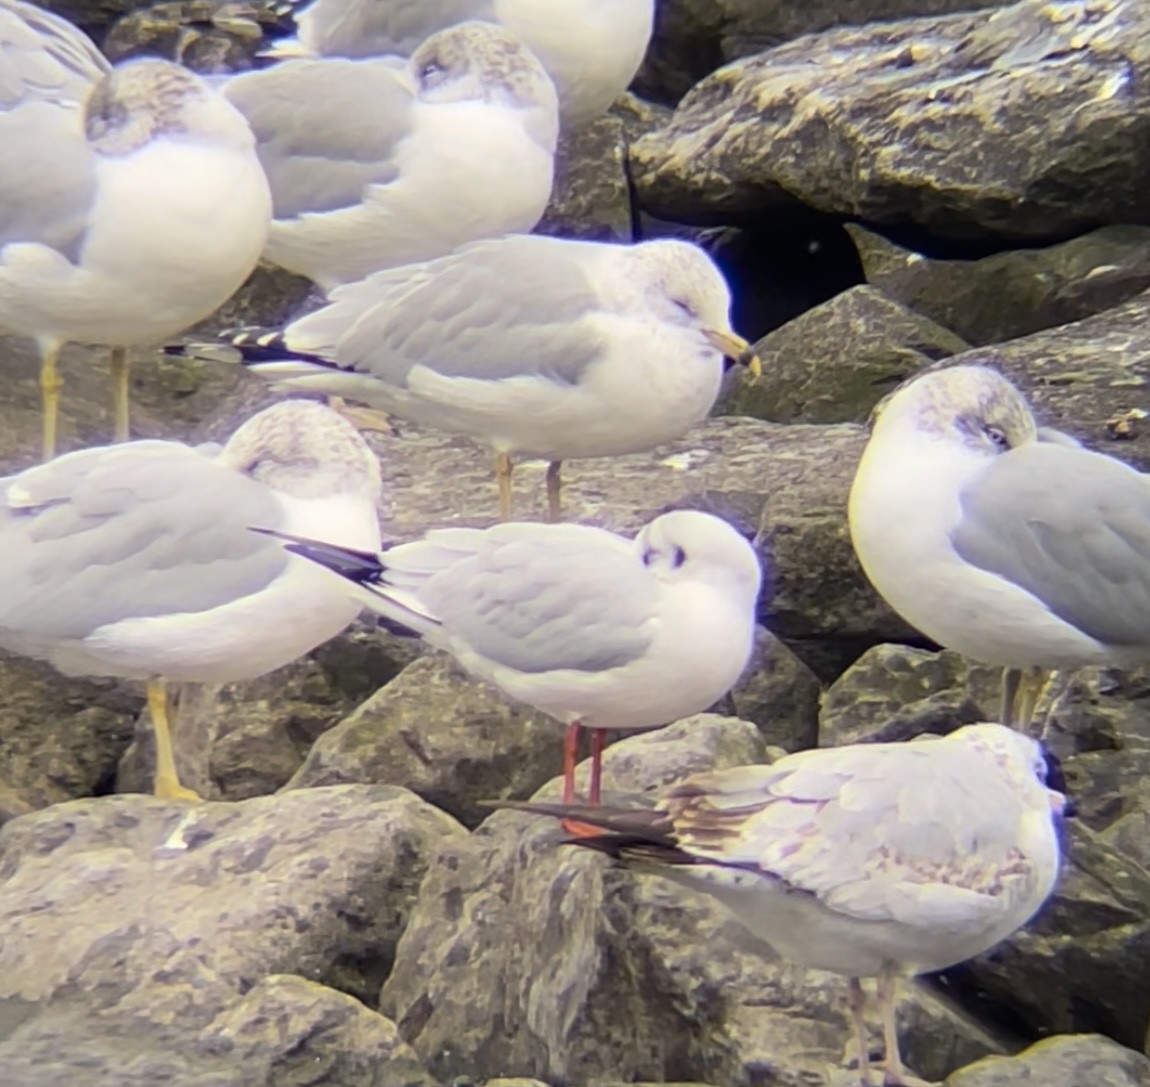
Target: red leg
[570, 757]
[597, 738]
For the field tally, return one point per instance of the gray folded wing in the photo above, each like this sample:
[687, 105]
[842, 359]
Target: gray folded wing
[44, 58]
[365, 28]
[140, 530]
[325, 129]
[534, 598]
[1070, 527]
[495, 309]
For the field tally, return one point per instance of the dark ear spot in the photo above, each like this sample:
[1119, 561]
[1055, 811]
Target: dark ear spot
[648, 556]
[678, 557]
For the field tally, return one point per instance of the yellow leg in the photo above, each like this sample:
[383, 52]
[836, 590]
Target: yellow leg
[166, 783]
[121, 393]
[1011, 681]
[503, 478]
[554, 484]
[49, 398]
[1033, 684]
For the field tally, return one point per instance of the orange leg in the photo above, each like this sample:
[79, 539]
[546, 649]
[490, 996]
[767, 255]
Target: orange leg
[598, 736]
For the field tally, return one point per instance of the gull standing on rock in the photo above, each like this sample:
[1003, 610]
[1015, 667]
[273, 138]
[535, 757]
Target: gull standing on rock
[137, 560]
[132, 203]
[596, 630]
[1010, 546]
[373, 165]
[590, 48]
[881, 860]
[537, 347]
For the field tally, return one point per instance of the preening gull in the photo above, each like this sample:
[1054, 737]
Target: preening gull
[132, 203]
[374, 165]
[1011, 546]
[870, 860]
[591, 48]
[534, 346]
[137, 560]
[596, 630]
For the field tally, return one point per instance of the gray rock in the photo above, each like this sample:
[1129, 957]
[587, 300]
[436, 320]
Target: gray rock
[1013, 124]
[836, 361]
[525, 958]
[1061, 1062]
[317, 882]
[694, 37]
[1012, 294]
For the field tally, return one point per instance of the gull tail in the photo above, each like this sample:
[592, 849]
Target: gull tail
[261, 350]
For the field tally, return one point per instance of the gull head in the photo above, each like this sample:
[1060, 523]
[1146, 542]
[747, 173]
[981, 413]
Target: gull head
[972, 406]
[681, 285]
[689, 546]
[143, 100]
[478, 61]
[1033, 771]
[304, 449]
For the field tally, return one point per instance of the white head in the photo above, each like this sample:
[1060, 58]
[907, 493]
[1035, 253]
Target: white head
[1027, 764]
[688, 546]
[145, 99]
[680, 284]
[971, 406]
[481, 62]
[306, 450]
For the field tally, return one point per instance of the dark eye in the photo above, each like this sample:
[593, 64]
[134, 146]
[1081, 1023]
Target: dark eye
[648, 557]
[997, 436]
[678, 557]
[685, 307]
[432, 72]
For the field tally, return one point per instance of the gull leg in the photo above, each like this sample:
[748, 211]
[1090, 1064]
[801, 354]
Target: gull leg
[503, 478]
[856, 1004]
[1030, 691]
[570, 757]
[121, 394]
[598, 736]
[49, 398]
[1011, 681]
[166, 783]
[554, 483]
[1056, 690]
[894, 1074]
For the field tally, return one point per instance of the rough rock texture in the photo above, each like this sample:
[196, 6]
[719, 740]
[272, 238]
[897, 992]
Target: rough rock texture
[1060, 1062]
[646, 981]
[694, 37]
[1014, 293]
[836, 361]
[1022, 123]
[317, 882]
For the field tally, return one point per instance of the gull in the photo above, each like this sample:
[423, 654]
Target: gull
[591, 48]
[598, 631]
[1012, 546]
[534, 346]
[137, 561]
[373, 165]
[132, 203]
[880, 860]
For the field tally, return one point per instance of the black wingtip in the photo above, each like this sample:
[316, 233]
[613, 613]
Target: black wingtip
[361, 567]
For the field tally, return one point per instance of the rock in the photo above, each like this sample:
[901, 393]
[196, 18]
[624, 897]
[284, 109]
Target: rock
[525, 958]
[1012, 294]
[1006, 125]
[59, 738]
[317, 882]
[694, 37]
[285, 1031]
[836, 361]
[1060, 1062]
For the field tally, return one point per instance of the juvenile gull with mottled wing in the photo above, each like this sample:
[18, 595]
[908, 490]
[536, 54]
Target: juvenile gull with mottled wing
[596, 630]
[870, 860]
[537, 347]
[137, 560]
[998, 542]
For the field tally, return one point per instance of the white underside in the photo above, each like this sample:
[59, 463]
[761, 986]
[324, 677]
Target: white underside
[175, 228]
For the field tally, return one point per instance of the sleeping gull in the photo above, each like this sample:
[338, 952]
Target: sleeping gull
[881, 860]
[537, 347]
[591, 48]
[137, 561]
[373, 165]
[1010, 546]
[596, 630]
[132, 203]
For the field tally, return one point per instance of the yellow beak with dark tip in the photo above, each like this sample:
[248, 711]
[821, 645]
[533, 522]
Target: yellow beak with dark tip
[737, 349]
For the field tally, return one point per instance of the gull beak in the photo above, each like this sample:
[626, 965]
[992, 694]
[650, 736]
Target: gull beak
[734, 347]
